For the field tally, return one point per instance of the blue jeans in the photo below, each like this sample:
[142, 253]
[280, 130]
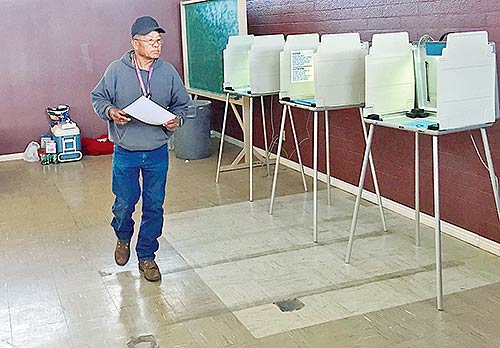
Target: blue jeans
[127, 165]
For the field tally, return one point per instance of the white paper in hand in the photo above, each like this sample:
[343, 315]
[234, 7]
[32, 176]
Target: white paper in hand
[148, 111]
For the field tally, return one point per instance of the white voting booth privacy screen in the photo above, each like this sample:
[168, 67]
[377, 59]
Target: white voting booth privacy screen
[324, 72]
[339, 70]
[264, 62]
[454, 81]
[296, 80]
[466, 78]
[251, 63]
[235, 58]
[389, 75]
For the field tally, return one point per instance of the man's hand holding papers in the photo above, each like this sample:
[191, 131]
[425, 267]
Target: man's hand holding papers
[118, 116]
[147, 111]
[172, 124]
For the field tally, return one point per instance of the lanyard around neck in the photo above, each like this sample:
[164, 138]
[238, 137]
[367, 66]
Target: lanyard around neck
[145, 91]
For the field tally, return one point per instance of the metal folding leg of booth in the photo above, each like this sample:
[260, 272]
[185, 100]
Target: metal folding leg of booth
[435, 163]
[287, 107]
[246, 124]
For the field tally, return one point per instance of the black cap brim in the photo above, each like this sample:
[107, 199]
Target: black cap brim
[147, 31]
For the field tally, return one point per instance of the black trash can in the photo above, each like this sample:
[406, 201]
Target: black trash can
[192, 140]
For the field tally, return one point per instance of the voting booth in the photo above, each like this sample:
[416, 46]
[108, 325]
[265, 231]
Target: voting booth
[251, 63]
[235, 59]
[430, 88]
[438, 84]
[251, 70]
[456, 79]
[319, 77]
[326, 73]
[297, 68]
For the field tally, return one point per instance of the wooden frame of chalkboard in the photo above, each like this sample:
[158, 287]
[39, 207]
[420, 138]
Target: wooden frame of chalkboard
[206, 26]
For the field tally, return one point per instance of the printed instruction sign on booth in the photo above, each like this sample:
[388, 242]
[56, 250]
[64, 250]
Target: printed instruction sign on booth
[302, 66]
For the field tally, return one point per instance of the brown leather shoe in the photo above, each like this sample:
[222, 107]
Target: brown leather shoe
[150, 270]
[122, 253]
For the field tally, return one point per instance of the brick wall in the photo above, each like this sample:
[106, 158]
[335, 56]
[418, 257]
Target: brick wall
[466, 194]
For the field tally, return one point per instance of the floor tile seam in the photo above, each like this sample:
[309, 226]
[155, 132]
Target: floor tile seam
[203, 209]
[10, 322]
[276, 225]
[68, 207]
[349, 284]
[207, 314]
[351, 315]
[139, 276]
[36, 326]
[63, 309]
[278, 251]
[242, 203]
[178, 269]
[252, 233]
[279, 226]
[179, 319]
[110, 295]
[9, 343]
[187, 265]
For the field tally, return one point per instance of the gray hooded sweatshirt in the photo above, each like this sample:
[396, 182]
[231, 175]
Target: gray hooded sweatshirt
[119, 87]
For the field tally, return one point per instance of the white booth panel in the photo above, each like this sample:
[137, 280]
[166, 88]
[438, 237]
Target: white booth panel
[389, 77]
[298, 84]
[339, 70]
[276, 40]
[341, 86]
[264, 63]
[346, 42]
[390, 85]
[466, 81]
[236, 72]
[390, 44]
[242, 41]
[235, 59]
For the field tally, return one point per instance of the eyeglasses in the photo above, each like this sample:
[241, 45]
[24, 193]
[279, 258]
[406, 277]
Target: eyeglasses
[151, 42]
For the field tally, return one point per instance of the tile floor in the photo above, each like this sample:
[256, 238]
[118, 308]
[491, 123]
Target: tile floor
[225, 265]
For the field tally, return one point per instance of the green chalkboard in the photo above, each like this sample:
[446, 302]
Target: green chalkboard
[206, 27]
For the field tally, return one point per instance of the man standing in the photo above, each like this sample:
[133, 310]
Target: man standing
[140, 148]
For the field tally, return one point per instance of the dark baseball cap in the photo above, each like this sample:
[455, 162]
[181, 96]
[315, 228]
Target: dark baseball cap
[144, 25]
